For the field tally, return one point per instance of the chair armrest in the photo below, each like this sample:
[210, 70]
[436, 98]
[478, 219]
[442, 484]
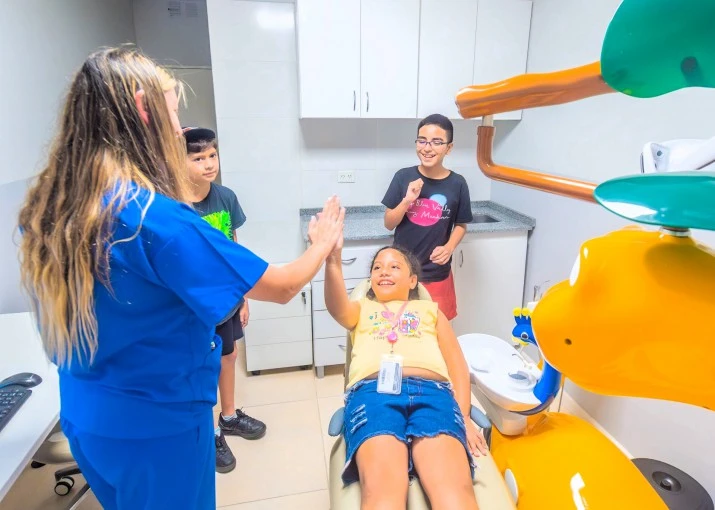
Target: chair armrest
[482, 422]
[480, 418]
[335, 428]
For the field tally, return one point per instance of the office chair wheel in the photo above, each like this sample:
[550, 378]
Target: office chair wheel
[64, 486]
[255, 372]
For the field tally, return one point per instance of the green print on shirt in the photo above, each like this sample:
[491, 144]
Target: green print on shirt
[222, 221]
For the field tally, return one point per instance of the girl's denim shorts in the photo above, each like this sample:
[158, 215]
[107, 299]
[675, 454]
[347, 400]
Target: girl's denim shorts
[424, 408]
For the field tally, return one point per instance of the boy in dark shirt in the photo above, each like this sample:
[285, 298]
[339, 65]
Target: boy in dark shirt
[219, 206]
[429, 207]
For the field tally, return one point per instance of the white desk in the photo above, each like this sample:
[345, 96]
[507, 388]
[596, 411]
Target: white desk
[21, 351]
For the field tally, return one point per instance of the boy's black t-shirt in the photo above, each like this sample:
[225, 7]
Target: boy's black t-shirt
[429, 221]
[221, 209]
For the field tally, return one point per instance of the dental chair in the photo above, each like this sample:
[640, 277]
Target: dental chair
[489, 486]
[56, 450]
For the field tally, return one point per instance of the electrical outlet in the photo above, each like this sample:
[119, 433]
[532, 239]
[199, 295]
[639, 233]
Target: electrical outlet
[346, 176]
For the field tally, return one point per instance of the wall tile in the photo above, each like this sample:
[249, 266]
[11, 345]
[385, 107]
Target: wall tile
[395, 144]
[274, 241]
[266, 196]
[264, 89]
[368, 189]
[249, 144]
[338, 144]
[253, 32]
[479, 184]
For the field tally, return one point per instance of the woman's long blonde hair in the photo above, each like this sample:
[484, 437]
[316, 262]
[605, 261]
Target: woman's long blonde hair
[102, 147]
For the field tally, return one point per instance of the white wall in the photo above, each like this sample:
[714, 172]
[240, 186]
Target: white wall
[42, 44]
[597, 139]
[277, 164]
[12, 299]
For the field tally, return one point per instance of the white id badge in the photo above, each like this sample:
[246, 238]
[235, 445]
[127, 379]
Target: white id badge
[389, 380]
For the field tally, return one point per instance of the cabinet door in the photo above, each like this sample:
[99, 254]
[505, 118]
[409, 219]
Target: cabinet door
[446, 61]
[465, 286]
[389, 56]
[278, 331]
[502, 43]
[328, 34]
[299, 306]
[489, 282]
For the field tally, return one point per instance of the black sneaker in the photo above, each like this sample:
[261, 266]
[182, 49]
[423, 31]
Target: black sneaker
[243, 425]
[225, 461]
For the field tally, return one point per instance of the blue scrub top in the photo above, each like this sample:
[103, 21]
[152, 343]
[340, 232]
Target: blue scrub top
[155, 372]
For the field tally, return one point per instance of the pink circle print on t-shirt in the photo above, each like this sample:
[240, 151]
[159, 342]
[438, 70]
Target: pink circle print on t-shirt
[427, 211]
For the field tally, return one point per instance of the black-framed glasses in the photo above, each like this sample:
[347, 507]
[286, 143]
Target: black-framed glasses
[432, 143]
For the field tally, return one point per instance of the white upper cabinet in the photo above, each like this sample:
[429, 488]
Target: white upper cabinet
[447, 33]
[389, 54]
[358, 58]
[405, 58]
[328, 34]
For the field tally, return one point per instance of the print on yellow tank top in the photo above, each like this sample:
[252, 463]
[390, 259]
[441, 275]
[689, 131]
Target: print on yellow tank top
[416, 330]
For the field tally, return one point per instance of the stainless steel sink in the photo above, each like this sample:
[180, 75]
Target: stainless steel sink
[483, 218]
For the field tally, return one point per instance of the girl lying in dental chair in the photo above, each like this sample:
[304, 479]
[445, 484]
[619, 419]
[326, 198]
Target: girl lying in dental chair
[408, 395]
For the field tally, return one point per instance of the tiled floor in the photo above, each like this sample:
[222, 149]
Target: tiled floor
[287, 469]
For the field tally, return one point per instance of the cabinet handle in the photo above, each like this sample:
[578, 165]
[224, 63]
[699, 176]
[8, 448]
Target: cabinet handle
[354, 100]
[342, 346]
[305, 301]
[461, 258]
[368, 100]
[349, 261]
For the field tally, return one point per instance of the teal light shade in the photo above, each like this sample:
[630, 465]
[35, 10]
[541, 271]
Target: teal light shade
[653, 47]
[673, 199]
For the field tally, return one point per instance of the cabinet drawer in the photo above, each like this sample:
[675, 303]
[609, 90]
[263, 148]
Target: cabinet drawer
[324, 326]
[319, 292]
[299, 306]
[265, 357]
[276, 331]
[329, 351]
[356, 263]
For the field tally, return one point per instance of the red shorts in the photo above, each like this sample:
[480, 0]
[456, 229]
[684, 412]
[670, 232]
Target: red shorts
[444, 295]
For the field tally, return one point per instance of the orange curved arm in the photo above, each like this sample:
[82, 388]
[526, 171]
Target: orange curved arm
[564, 186]
[532, 90]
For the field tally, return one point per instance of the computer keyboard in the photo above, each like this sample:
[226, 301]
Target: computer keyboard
[11, 399]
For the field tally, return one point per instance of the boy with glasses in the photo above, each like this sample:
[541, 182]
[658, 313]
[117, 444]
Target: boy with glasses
[428, 206]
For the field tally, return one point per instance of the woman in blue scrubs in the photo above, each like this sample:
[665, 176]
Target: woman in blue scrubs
[129, 283]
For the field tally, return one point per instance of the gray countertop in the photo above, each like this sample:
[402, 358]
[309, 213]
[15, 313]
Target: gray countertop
[366, 222]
